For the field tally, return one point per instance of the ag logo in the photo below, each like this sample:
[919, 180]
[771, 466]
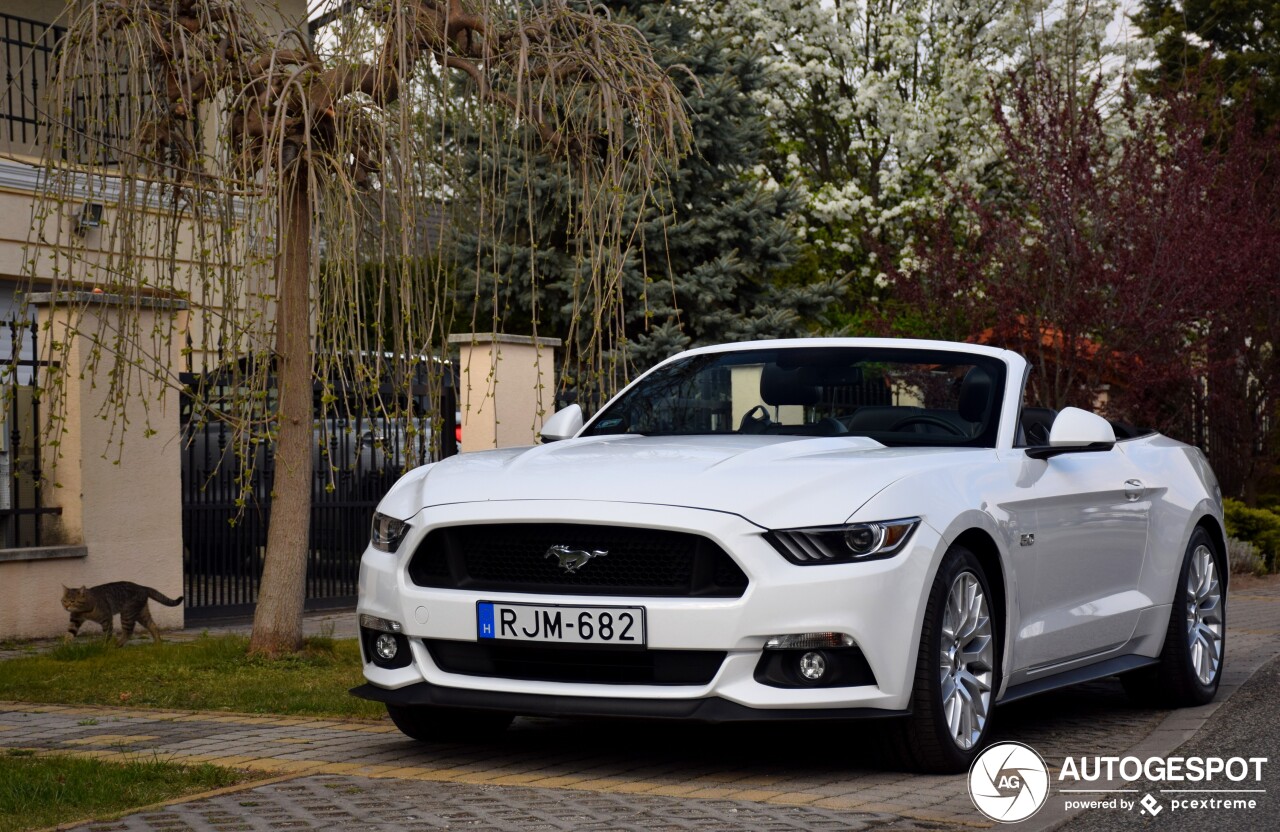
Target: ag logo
[1009, 782]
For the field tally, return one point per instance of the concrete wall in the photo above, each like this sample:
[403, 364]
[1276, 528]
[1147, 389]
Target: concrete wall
[122, 505]
[504, 388]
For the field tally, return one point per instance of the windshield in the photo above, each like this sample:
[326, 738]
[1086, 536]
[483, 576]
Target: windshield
[895, 396]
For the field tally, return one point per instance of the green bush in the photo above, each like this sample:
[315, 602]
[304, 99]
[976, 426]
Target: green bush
[1259, 526]
[1243, 558]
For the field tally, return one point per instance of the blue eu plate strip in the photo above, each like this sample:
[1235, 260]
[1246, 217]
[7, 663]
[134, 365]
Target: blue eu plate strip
[484, 614]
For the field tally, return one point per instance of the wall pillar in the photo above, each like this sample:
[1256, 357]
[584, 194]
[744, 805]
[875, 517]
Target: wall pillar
[121, 505]
[504, 388]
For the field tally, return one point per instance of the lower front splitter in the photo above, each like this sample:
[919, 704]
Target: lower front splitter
[702, 709]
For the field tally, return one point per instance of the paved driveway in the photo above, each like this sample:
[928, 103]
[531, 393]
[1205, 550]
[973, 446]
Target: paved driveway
[552, 774]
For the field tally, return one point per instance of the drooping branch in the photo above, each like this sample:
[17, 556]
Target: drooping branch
[600, 74]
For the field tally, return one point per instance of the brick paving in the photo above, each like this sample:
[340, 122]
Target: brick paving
[560, 774]
[340, 802]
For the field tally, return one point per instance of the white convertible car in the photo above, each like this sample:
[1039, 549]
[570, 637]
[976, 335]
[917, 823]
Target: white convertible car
[800, 529]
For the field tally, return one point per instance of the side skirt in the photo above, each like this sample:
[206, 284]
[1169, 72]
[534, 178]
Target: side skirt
[1110, 667]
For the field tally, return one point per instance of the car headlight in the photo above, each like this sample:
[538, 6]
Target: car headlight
[843, 544]
[387, 532]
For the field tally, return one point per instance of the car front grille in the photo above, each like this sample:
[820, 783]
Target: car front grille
[576, 663]
[517, 557]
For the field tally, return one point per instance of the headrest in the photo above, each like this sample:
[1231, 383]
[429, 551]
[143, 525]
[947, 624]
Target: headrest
[783, 387]
[975, 395]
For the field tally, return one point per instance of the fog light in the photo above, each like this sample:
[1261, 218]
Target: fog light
[813, 666]
[386, 647]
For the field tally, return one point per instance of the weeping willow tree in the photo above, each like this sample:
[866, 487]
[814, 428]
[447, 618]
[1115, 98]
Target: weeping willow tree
[280, 187]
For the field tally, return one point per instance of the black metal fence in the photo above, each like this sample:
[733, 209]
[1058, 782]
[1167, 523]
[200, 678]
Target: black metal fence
[99, 119]
[226, 501]
[23, 514]
[29, 48]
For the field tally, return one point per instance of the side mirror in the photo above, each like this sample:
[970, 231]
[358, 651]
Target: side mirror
[563, 424]
[1076, 431]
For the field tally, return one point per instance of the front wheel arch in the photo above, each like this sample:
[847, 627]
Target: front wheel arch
[980, 542]
[1217, 537]
[984, 548]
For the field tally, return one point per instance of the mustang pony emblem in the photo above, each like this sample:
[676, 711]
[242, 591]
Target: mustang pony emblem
[571, 560]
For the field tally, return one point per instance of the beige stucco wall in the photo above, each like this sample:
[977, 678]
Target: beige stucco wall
[504, 388]
[123, 503]
[17, 217]
[18, 176]
[19, 163]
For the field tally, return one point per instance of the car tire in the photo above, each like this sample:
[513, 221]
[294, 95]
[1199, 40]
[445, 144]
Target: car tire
[939, 736]
[1195, 641]
[428, 724]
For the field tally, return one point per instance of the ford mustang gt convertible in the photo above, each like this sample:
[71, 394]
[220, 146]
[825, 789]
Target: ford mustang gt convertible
[799, 529]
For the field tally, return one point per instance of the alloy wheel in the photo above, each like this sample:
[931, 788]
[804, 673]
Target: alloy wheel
[967, 660]
[1204, 615]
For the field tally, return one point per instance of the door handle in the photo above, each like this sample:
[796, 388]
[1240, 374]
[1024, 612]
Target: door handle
[1133, 490]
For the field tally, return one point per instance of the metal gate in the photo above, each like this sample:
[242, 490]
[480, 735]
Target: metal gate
[226, 504]
[23, 514]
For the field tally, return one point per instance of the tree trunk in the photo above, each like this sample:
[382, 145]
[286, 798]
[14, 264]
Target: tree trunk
[277, 622]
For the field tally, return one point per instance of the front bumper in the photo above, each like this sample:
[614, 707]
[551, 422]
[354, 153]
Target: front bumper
[877, 603]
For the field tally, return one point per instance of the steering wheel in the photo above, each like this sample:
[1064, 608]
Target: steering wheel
[926, 419]
[755, 420]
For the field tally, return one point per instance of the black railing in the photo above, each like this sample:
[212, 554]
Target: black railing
[101, 116]
[29, 50]
[22, 509]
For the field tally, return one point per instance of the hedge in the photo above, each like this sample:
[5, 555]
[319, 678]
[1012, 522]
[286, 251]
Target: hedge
[1259, 526]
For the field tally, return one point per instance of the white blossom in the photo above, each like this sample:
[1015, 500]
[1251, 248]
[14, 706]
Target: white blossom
[885, 108]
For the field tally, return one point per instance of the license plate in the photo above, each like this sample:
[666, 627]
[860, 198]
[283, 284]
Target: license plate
[561, 624]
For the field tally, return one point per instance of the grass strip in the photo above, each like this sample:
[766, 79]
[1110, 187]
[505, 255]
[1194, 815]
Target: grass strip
[210, 673]
[37, 792]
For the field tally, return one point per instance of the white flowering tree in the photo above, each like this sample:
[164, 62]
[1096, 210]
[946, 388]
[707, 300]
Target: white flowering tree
[881, 110]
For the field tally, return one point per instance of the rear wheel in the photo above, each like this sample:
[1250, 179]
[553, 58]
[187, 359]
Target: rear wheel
[1190, 665]
[427, 724]
[957, 671]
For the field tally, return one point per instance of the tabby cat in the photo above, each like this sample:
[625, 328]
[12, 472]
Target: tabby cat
[103, 602]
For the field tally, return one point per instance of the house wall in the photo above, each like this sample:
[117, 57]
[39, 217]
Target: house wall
[121, 504]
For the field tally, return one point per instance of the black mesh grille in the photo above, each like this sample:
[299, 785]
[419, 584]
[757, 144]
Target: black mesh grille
[576, 663]
[515, 557]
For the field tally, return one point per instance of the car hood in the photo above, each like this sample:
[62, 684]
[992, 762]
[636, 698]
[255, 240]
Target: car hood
[773, 481]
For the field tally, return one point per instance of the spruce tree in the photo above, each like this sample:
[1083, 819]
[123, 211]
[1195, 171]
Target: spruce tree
[714, 242]
[1228, 51]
